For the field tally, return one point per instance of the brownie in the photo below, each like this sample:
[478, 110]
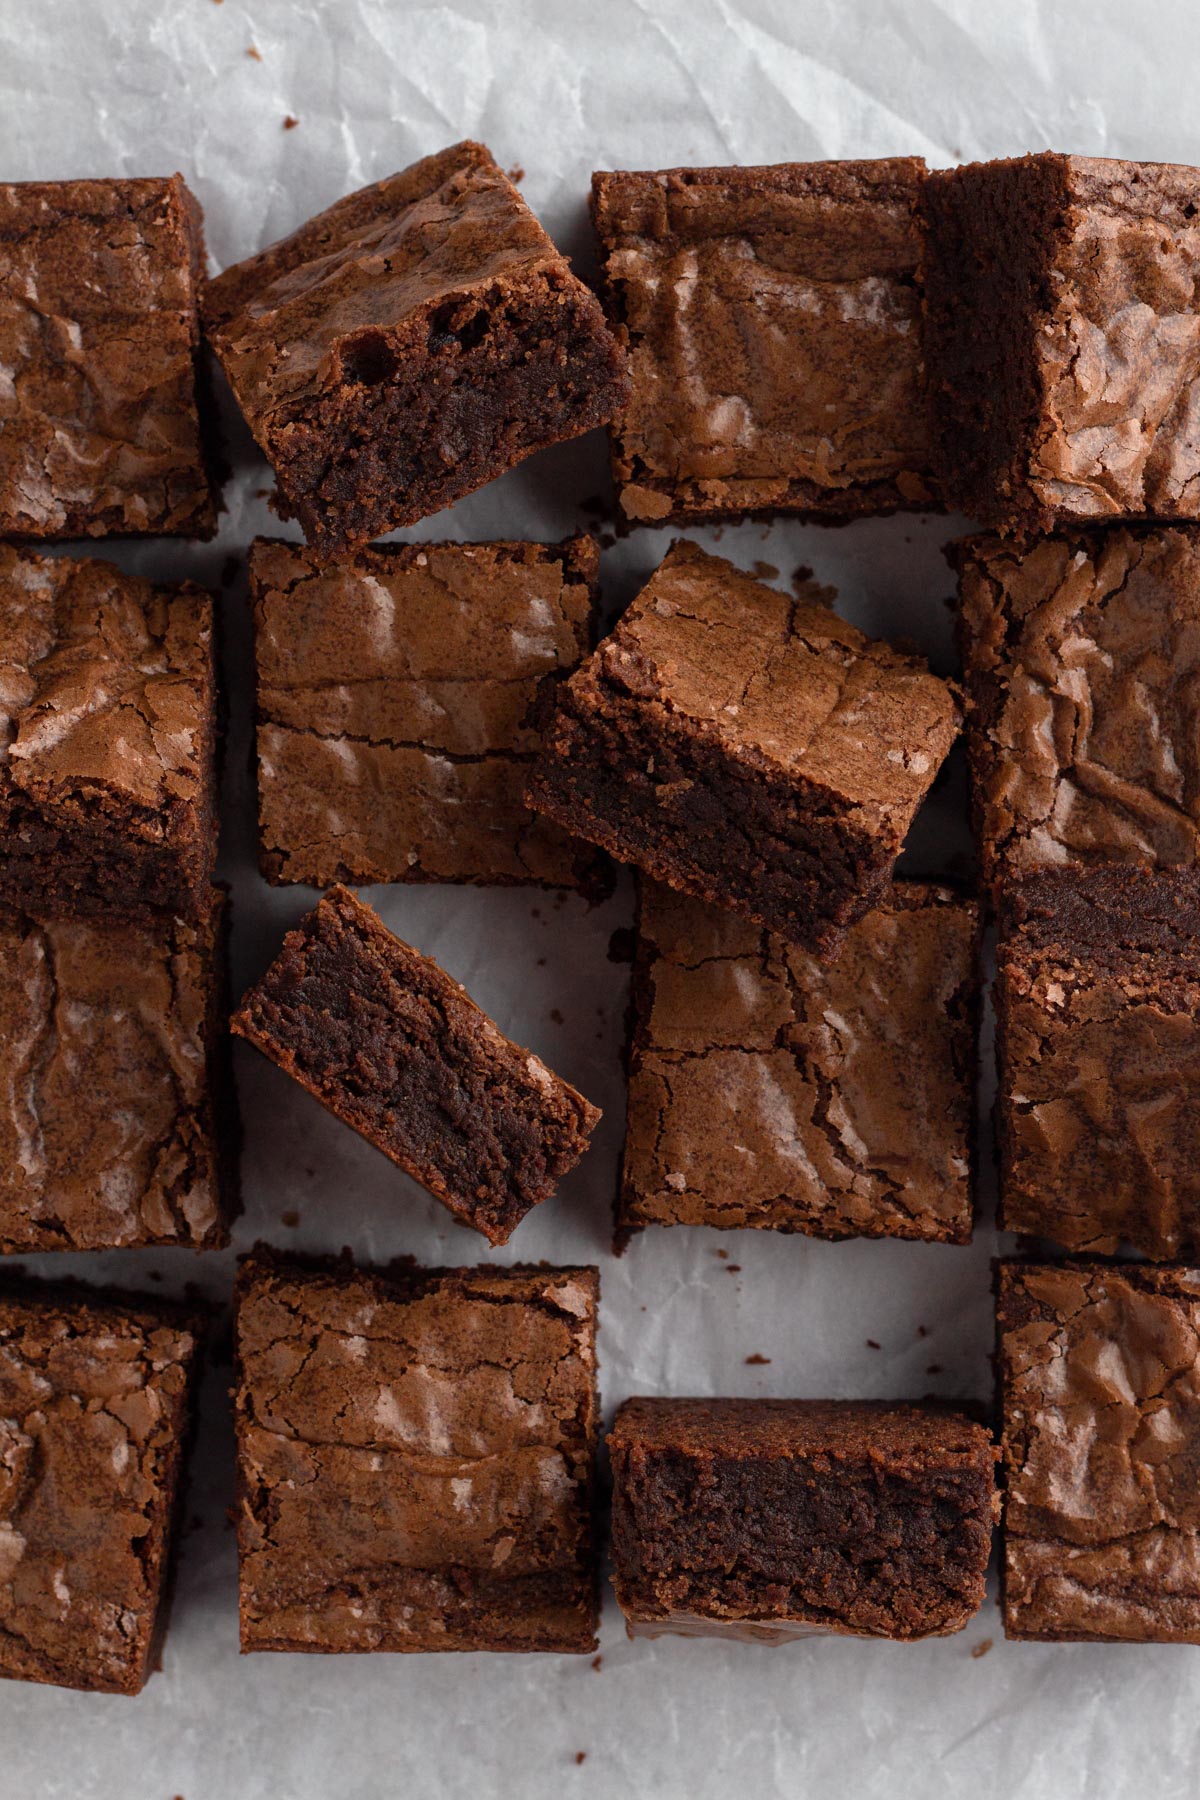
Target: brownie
[415, 1457]
[1082, 669]
[768, 1088]
[100, 426]
[96, 1396]
[772, 318]
[1098, 1043]
[1101, 1397]
[393, 1047]
[409, 344]
[747, 747]
[1060, 304]
[117, 1116]
[108, 740]
[401, 694]
[774, 1519]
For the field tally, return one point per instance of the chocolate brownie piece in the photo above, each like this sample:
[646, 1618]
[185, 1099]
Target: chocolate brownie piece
[415, 1457]
[1082, 668]
[409, 344]
[768, 1088]
[1100, 1378]
[100, 426]
[383, 1038]
[117, 1116]
[775, 1519]
[1061, 338]
[401, 693]
[108, 740]
[96, 1395]
[1098, 1042]
[773, 323]
[747, 747]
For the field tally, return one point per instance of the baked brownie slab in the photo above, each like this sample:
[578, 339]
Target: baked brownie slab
[415, 1454]
[409, 344]
[96, 1393]
[108, 732]
[747, 747]
[772, 318]
[117, 1121]
[1098, 1041]
[775, 1519]
[383, 1038]
[768, 1088]
[1081, 656]
[400, 697]
[100, 430]
[1100, 1372]
[1061, 338]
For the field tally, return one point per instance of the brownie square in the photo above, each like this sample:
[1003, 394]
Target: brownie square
[409, 344]
[1081, 658]
[117, 1115]
[401, 695]
[100, 429]
[108, 722]
[772, 318]
[1101, 1396]
[768, 1088]
[1060, 338]
[1098, 1042]
[416, 1451]
[747, 747]
[773, 1519]
[384, 1039]
[96, 1396]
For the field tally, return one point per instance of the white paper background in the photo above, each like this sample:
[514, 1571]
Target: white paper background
[93, 87]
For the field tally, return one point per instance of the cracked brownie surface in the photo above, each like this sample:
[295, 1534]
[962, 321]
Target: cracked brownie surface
[415, 1455]
[401, 694]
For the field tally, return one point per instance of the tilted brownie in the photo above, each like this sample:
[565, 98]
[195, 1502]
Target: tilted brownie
[96, 1396]
[774, 1519]
[1098, 1042]
[393, 1047]
[1060, 305]
[99, 339]
[108, 728]
[401, 694]
[415, 1457]
[409, 344]
[1081, 659]
[117, 1115]
[772, 318]
[1100, 1377]
[768, 1088]
[747, 747]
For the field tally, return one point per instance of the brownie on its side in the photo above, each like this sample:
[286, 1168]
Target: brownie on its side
[1081, 658]
[384, 1039]
[1059, 336]
[774, 1519]
[1101, 1395]
[96, 1394]
[768, 1088]
[772, 318]
[117, 1112]
[747, 747]
[401, 692]
[108, 722]
[100, 431]
[409, 344]
[415, 1453]
[1098, 1043]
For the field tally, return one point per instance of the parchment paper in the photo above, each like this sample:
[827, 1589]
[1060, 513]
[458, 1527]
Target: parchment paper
[93, 87]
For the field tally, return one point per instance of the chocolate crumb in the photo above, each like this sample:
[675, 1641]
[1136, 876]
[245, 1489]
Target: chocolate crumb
[556, 1017]
[733, 1268]
[289, 123]
[580, 1756]
[922, 1331]
[765, 571]
[981, 1648]
[597, 1663]
[290, 1219]
[516, 173]
[800, 575]
[252, 50]
[155, 1275]
[723, 1254]
[758, 1359]
[595, 504]
[871, 1344]
[621, 945]
[933, 1368]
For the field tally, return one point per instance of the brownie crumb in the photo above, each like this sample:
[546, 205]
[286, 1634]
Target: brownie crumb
[733, 1268]
[758, 1359]
[516, 173]
[922, 1331]
[801, 576]
[596, 505]
[289, 123]
[253, 51]
[290, 1218]
[723, 1254]
[981, 1648]
[933, 1368]
[556, 1017]
[580, 1756]
[621, 945]
[871, 1344]
[597, 1663]
[766, 571]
